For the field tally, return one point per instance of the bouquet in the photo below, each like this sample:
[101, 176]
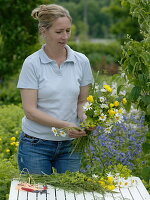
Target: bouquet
[104, 107]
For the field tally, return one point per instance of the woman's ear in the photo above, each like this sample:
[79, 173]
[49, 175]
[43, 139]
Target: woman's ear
[42, 31]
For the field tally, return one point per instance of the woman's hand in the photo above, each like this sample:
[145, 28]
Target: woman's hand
[75, 131]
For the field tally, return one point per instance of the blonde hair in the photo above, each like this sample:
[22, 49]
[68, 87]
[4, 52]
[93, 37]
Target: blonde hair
[47, 14]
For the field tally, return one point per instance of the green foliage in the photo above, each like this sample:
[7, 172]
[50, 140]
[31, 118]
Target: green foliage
[10, 127]
[18, 33]
[122, 23]
[136, 64]
[101, 56]
[8, 91]
[136, 59]
[8, 170]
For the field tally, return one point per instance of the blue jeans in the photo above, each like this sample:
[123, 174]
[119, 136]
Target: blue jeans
[38, 156]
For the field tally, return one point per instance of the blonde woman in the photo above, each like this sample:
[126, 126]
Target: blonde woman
[54, 84]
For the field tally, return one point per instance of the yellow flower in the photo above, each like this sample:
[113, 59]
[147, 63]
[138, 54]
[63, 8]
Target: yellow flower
[108, 88]
[116, 103]
[110, 179]
[102, 183]
[7, 150]
[13, 139]
[17, 144]
[126, 183]
[17, 132]
[13, 143]
[90, 98]
[0, 139]
[111, 112]
[111, 105]
[120, 111]
[110, 187]
[124, 100]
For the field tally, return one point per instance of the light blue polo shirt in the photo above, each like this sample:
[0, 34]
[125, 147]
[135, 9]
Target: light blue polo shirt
[58, 88]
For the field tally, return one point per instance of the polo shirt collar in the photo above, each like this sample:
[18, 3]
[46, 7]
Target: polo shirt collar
[45, 59]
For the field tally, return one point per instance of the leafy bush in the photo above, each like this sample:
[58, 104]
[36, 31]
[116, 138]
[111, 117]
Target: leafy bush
[123, 145]
[99, 54]
[10, 127]
[8, 170]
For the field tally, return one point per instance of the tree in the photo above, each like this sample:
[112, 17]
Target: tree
[18, 32]
[122, 22]
[136, 64]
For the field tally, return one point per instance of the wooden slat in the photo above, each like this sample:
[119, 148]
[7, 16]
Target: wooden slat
[109, 196]
[13, 191]
[60, 194]
[51, 193]
[22, 195]
[70, 196]
[89, 196]
[41, 196]
[117, 195]
[125, 193]
[98, 196]
[79, 196]
[135, 193]
[142, 190]
[32, 196]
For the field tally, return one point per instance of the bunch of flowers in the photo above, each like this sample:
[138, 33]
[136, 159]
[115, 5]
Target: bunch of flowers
[104, 107]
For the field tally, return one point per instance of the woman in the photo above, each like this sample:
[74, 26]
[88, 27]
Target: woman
[54, 83]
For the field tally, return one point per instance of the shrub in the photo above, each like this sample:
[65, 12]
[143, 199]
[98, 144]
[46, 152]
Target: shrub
[10, 127]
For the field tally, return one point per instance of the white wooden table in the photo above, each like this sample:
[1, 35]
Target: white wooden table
[137, 192]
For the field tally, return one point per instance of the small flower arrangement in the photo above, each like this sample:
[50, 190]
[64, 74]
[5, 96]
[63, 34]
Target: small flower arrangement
[104, 107]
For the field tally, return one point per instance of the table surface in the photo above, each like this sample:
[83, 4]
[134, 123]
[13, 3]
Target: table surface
[136, 192]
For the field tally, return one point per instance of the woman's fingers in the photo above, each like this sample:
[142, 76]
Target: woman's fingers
[76, 133]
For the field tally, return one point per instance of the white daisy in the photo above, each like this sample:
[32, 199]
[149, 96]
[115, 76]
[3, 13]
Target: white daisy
[102, 99]
[63, 133]
[102, 117]
[87, 106]
[108, 129]
[54, 130]
[104, 105]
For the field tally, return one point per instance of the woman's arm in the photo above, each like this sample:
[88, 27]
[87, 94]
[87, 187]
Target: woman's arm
[84, 92]
[29, 102]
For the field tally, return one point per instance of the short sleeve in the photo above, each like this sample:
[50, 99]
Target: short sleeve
[28, 77]
[87, 76]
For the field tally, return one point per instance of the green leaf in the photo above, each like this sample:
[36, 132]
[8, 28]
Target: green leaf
[119, 88]
[148, 109]
[146, 99]
[135, 93]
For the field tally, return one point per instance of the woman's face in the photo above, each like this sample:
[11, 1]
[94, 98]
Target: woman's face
[59, 33]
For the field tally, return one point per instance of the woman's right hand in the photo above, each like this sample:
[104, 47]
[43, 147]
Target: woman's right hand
[75, 131]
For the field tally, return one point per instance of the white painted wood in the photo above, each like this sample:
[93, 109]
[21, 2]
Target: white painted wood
[108, 196]
[125, 193]
[135, 193]
[60, 194]
[32, 196]
[69, 196]
[88, 195]
[41, 196]
[51, 193]
[13, 191]
[79, 196]
[117, 195]
[22, 195]
[142, 190]
[98, 196]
